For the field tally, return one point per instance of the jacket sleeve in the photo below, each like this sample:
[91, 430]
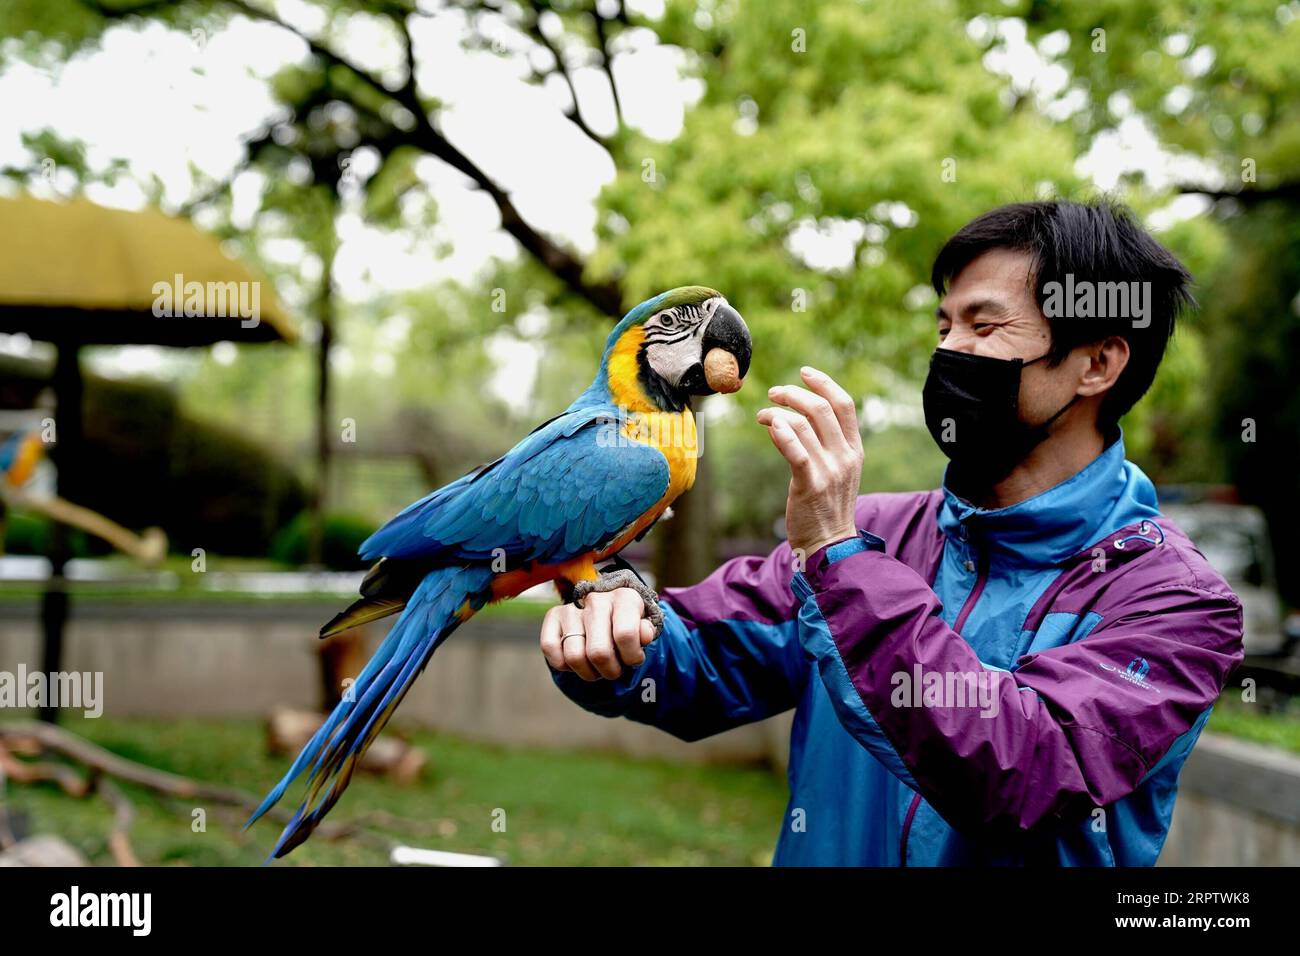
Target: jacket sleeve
[1072, 728]
[728, 655]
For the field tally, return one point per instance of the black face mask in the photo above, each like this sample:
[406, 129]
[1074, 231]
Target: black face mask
[972, 409]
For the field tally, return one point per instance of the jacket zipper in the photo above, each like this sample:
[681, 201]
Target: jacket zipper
[907, 828]
[967, 606]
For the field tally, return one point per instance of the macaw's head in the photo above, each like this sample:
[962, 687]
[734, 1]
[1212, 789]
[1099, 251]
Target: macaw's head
[685, 342]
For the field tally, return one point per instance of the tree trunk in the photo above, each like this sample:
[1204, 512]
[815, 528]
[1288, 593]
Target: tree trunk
[324, 427]
[68, 394]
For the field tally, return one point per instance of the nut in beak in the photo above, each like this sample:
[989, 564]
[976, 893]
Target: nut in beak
[722, 371]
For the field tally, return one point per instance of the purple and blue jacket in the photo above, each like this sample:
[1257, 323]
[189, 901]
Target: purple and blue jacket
[971, 687]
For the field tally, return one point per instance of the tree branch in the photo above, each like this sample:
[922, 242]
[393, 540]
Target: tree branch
[97, 758]
[562, 263]
[1285, 192]
[574, 113]
[606, 60]
[119, 837]
[606, 296]
[398, 16]
[121, 13]
[101, 764]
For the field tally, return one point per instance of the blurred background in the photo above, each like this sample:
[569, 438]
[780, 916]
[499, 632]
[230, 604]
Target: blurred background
[443, 205]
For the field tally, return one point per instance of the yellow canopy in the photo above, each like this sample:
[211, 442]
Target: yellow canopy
[85, 274]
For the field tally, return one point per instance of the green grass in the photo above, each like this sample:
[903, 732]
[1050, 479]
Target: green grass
[1275, 727]
[560, 808]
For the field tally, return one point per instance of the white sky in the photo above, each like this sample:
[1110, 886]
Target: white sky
[192, 99]
[164, 101]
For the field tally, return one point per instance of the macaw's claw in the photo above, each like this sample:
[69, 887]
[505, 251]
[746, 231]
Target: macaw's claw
[623, 578]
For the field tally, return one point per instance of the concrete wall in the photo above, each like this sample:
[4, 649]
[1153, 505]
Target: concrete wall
[1238, 803]
[488, 683]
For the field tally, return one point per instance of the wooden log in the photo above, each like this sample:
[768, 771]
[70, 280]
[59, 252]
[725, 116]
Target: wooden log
[287, 732]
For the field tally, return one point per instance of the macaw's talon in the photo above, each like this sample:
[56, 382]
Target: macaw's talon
[623, 578]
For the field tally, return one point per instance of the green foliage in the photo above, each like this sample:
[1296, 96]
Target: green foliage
[1236, 65]
[1254, 331]
[877, 122]
[29, 534]
[1275, 728]
[147, 463]
[340, 541]
[841, 137]
[873, 130]
[1238, 60]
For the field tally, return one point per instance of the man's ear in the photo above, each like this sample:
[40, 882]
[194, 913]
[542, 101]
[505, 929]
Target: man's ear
[1107, 359]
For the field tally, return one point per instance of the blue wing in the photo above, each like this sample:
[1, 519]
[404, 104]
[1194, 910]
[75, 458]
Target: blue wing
[569, 487]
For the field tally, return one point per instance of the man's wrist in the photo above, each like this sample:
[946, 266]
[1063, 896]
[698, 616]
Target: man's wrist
[833, 551]
[809, 551]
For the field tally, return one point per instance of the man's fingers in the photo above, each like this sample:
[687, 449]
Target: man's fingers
[819, 412]
[787, 441]
[597, 640]
[625, 625]
[573, 643]
[846, 410]
[596, 621]
[796, 423]
[551, 638]
[792, 449]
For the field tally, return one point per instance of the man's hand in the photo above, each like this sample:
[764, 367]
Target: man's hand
[816, 429]
[598, 639]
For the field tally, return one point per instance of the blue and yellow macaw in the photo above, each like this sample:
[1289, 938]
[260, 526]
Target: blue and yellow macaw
[569, 496]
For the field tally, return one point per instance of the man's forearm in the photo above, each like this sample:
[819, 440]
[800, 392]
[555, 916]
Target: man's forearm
[1052, 739]
[729, 654]
[696, 682]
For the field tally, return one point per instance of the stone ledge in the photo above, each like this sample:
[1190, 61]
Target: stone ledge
[1247, 775]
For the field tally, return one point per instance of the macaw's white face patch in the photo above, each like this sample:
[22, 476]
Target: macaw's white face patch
[673, 338]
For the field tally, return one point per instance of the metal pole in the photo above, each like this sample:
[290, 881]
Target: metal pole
[67, 422]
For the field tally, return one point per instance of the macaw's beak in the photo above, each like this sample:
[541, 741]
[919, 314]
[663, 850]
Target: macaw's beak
[725, 353]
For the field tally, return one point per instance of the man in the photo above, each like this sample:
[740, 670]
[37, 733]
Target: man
[1008, 670]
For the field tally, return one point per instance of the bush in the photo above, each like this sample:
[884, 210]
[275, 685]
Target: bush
[30, 534]
[342, 538]
[145, 463]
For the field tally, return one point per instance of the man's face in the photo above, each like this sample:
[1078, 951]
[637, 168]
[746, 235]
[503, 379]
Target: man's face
[990, 310]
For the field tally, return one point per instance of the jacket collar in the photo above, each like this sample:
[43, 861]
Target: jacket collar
[1107, 494]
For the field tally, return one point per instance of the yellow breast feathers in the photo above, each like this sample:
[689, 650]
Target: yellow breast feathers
[673, 433]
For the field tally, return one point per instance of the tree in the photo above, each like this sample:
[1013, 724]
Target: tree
[1218, 82]
[833, 148]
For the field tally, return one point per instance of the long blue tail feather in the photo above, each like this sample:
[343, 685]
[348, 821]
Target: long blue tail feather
[432, 614]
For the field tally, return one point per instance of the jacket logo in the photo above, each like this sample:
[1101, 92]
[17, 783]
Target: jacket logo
[1135, 673]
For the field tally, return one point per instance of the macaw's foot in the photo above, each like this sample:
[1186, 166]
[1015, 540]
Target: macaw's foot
[623, 578]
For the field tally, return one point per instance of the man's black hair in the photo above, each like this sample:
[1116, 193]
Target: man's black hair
[1098, 242]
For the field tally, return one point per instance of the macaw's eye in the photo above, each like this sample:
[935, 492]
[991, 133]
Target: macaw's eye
[671, 320]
